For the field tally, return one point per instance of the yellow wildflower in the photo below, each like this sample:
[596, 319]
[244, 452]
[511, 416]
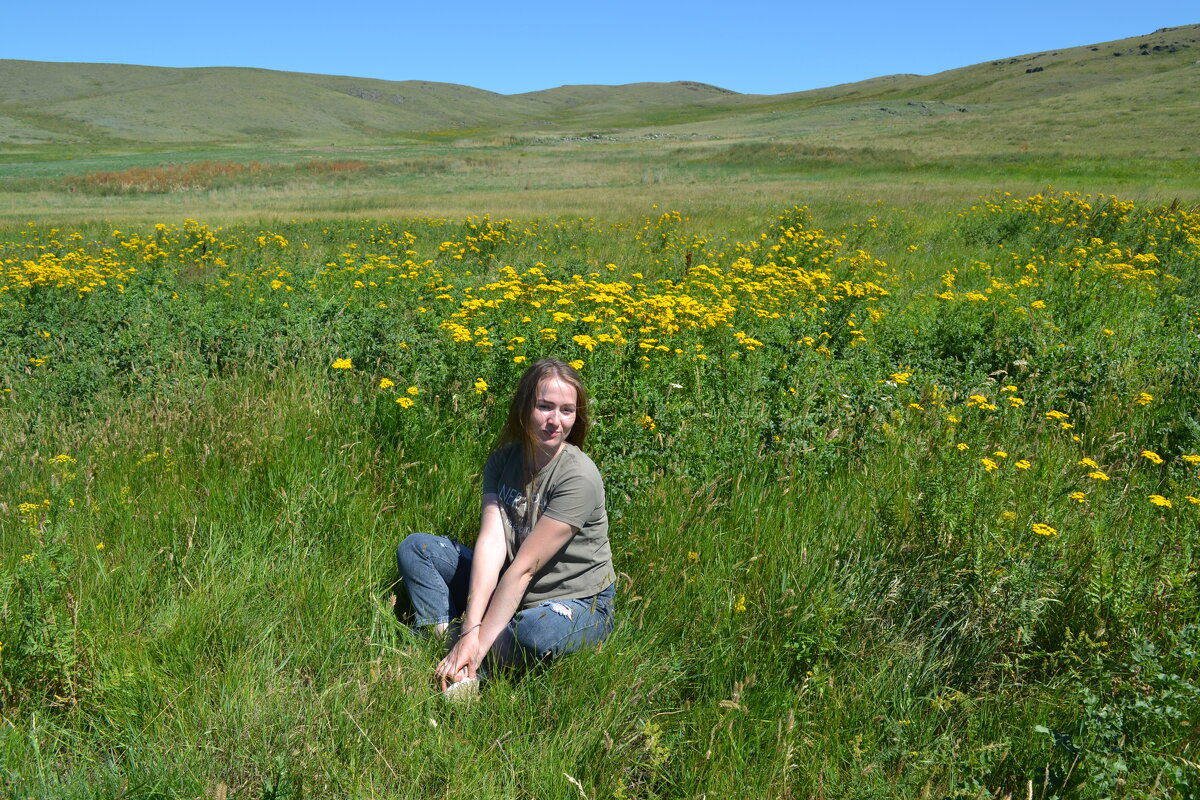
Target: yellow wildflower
[1159, 500]
[1078, 497]
[1087, 462]
[1097, 476]
[740, 605]
[1144, 399]
[1152, 457]
[342, 363]
[386, 383]
[963, 446]
[1022, 464]
[1041, 529]
[404, 402]
[480, 386]
[988, 464]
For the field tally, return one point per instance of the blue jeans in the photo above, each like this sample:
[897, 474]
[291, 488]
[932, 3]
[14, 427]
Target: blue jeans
[436, 573]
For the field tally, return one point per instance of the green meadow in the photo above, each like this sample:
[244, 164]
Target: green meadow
[896, 404]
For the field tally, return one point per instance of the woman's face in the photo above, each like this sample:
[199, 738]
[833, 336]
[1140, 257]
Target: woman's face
[553, 415]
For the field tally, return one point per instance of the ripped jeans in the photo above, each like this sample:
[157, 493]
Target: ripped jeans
[436, 574]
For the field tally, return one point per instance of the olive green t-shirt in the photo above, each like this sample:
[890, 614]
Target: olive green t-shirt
[569, 489]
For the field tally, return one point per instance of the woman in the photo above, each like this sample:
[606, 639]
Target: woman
[540, 581]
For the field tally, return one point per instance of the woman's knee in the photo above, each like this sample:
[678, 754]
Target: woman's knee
[412, 550]
[551, 630]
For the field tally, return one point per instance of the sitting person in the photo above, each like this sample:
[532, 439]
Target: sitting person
[540, 581]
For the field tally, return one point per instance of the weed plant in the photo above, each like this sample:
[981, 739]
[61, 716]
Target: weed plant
[905, 508]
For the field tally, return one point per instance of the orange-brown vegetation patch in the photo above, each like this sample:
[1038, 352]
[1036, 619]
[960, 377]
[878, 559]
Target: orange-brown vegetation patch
[199, 175]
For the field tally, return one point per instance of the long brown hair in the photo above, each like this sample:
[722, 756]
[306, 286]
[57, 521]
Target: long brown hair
[516, 428]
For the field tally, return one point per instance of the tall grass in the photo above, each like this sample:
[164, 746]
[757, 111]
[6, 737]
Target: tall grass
[825, 590]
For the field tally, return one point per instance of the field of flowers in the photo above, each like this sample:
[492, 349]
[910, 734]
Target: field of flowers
[906, 509]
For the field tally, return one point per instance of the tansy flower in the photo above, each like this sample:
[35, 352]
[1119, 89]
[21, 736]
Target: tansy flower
[1042, 529]
[1016, 402]
[1159, 500]
[342, 363]
[1144, 399]
[386, 383]
[405, 402]
[99, 545]
[1008, 516]
[693, 556]
[740, 605]
[1056, 415]
[901, 377]
[480, 386]
[1078, 497]
[1022, 464]
[1152, 457]
[1000, 454]
[577, 363]
[1191, 499]
[1097, 476]
[414, 391]
[648, 422]
[988, 464]
[963, 446]
[1087, 462]
[1191, 459]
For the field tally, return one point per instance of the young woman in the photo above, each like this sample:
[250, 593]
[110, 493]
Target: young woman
[540, 581]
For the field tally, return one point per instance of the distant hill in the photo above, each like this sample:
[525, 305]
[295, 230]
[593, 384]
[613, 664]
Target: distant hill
[1139, 95]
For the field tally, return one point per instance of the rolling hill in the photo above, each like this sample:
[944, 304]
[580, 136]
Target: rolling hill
[1137, 96]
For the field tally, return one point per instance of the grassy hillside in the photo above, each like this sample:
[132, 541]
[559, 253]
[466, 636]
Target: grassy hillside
[144, 143]
[1152, 77]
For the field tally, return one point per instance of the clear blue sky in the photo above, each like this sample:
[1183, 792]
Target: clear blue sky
[751, 46]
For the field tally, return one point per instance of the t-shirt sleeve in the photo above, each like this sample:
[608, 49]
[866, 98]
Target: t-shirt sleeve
[491, 472]
[574, 499]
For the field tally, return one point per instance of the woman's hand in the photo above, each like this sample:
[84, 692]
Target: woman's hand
[462, 661]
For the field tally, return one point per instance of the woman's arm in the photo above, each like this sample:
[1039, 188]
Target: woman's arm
[488, 560]
[546, 539]
[486, 563]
